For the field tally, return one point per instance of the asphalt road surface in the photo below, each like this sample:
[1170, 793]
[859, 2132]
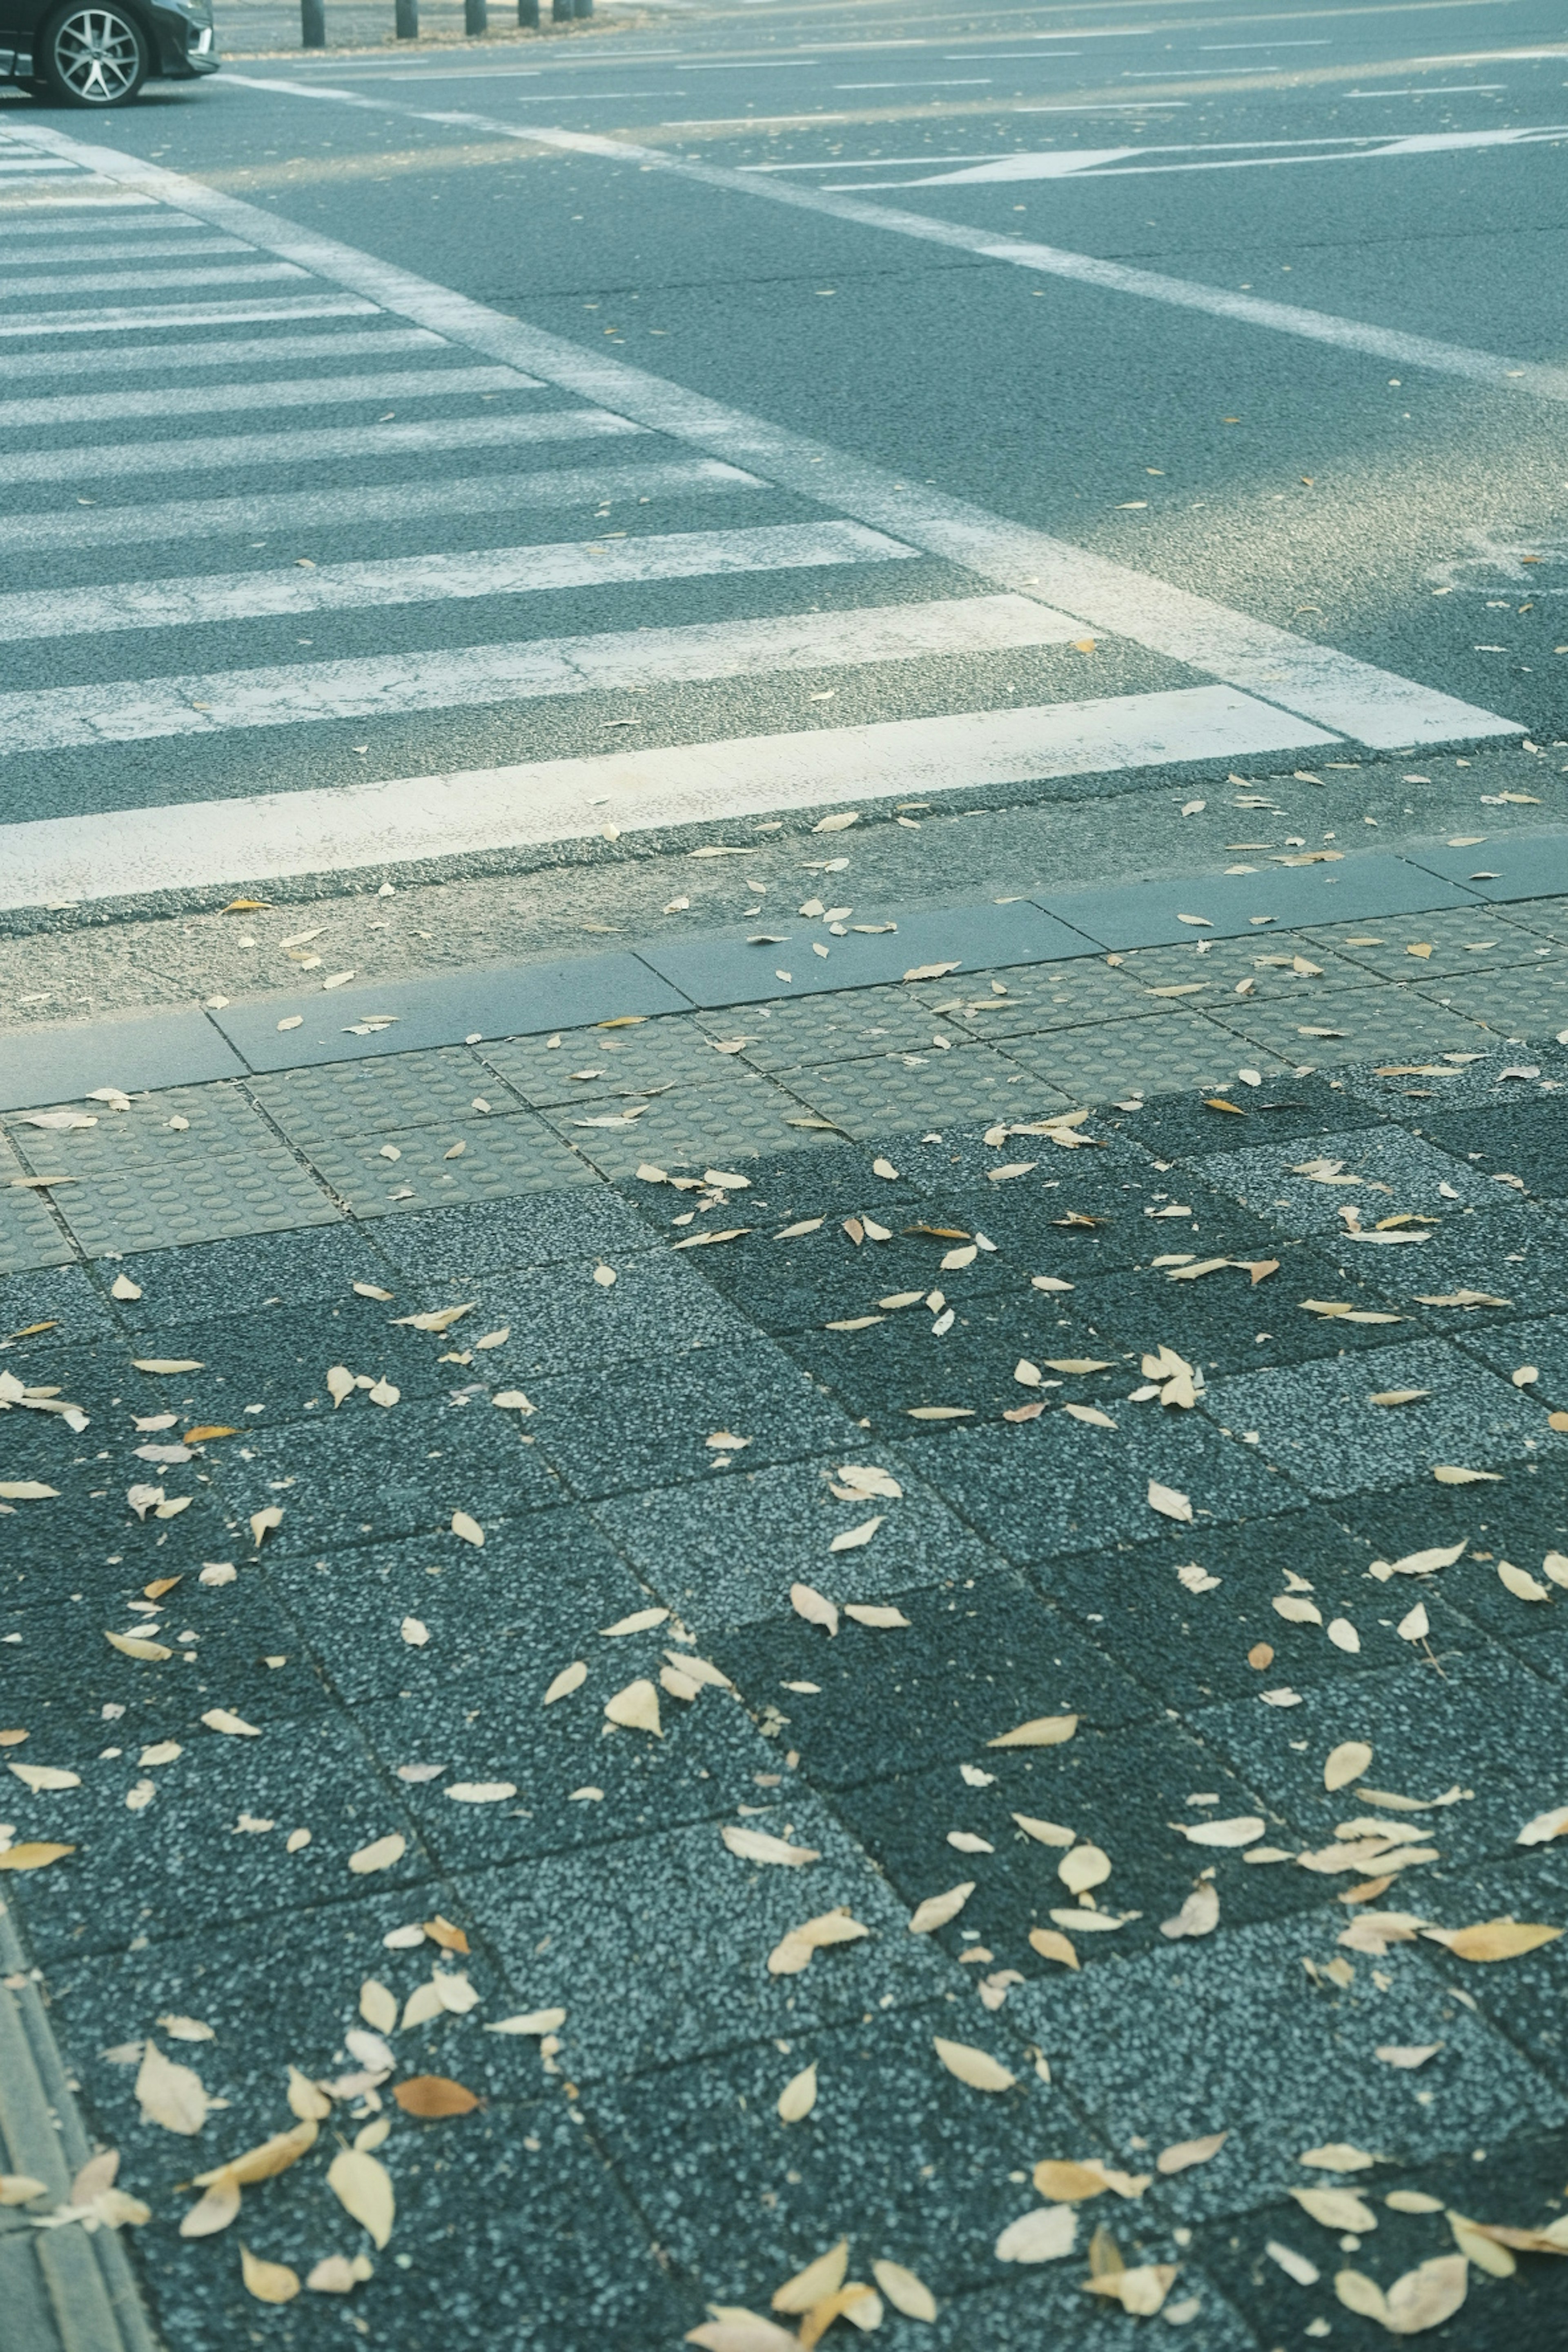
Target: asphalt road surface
[1075, 395]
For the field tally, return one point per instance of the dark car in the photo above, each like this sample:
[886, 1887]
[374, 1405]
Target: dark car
[100, 55]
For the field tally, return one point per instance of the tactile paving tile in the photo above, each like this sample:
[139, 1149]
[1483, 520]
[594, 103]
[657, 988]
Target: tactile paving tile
[1267, 963]
[743, 1116]
[1546, 918]
[1054, 996]
[672, 1051]
[1461, 940]
[498, 1157]
[792, 1037]
[965, 1086]
[141, 1183]
[1160, 1056]
[1523, 1001]
[29, 1236]
[1388, 1023]
[381, 1097]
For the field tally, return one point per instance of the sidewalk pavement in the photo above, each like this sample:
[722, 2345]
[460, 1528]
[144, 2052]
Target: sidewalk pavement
[1131, 1425]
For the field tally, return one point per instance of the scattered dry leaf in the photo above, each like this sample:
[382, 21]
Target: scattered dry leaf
[975, 2067]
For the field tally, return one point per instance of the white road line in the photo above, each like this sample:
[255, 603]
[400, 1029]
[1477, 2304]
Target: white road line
[139, 251]
[390, 503]
[139, 282]
[1110, 163]
[204, 599]
[291, 694]
[122, 853]
[287, 391]
[176, 358]
[1352, 696]
[314, 444]
[118, 322]
[149, 217]
[1315, 682]
[1085, 269]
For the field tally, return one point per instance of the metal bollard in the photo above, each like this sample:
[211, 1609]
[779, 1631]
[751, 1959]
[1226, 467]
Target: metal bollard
[560, 12]
[312, 23]
[583, 8]
[407, 20]
[528, 16]
[475, 18]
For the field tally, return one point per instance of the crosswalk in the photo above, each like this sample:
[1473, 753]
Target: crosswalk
[302, 495]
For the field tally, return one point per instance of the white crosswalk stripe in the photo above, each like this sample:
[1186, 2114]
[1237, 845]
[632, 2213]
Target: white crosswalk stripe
[183, 519]
[123, 318]
[625, 661]
[313, 445]
[202, 599]
[139, 282]
[122, 359]
[437, 609]
[285, 392]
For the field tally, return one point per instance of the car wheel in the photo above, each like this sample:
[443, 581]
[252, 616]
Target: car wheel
[92, 56]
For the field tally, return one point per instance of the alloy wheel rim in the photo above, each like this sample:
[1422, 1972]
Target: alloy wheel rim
[97, 56]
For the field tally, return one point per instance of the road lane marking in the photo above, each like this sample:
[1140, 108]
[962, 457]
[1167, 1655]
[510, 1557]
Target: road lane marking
[139, 282]
[1216, 155]
[1314, 681]
[69, 408]
[205, 599]
[139, 251]
[390, 503]
[121, 853]
[117, 320]
[314, 444]
[614, 661]
[177, 357]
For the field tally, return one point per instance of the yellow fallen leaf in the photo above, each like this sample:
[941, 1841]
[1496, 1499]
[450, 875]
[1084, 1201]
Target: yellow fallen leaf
[1451, 1474]
[219, 1719]
[1042, 1731]
[269, 2159]
[569, 1679]
[380, 1854]
[975, 2067]
[793, 1952]
[214, 2212]
[1066, 2183]
[1186, 2153]
[33, 1853]
[814, 1606]
[1337, 2155]
[469, 1530]
[268, 2281]
[756, 1845]
[1495, 1939]
[362, 2186]
[1051, 1945]
[167, 1364]
[938, 1909]
[819, 2279]
[798, 2097]
[136, 1645]
[904, 2291]
[170, 2095]
[337, 2274]
[1169, 1501]
[1346, 1763]
[636, 1708]
[1046, 2234]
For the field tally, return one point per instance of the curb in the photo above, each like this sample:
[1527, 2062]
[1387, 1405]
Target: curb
[64, 2290]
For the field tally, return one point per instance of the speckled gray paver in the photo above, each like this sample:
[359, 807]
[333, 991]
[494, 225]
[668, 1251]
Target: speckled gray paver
[659, 1516]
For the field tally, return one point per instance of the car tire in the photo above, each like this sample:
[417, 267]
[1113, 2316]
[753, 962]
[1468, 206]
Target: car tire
[93, 53]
